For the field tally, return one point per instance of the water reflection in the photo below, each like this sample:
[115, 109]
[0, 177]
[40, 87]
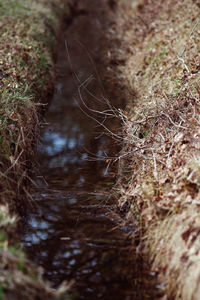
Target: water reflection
[71, 232]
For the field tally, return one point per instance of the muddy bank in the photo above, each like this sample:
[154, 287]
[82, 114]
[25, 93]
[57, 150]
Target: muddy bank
[158, 64]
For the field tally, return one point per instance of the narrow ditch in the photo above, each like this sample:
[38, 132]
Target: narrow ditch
[72, 232]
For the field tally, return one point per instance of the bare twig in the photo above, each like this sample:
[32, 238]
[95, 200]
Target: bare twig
[155, 166]
[178, 126]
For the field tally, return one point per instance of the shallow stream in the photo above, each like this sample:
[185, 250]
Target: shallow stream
[72, 231]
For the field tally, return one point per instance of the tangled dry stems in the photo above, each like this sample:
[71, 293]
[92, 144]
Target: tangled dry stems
[158, 62]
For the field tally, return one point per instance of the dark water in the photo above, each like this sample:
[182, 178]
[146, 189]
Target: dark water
[72, 232]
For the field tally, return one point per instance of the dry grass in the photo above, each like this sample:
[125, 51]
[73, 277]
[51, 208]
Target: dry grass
[25, 64]
[175, 248]
[158, 64]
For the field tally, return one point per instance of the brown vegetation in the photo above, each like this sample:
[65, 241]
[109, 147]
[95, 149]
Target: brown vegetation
[158, 64]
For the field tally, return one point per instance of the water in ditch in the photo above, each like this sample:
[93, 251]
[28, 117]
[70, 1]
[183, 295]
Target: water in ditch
[72, 231]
